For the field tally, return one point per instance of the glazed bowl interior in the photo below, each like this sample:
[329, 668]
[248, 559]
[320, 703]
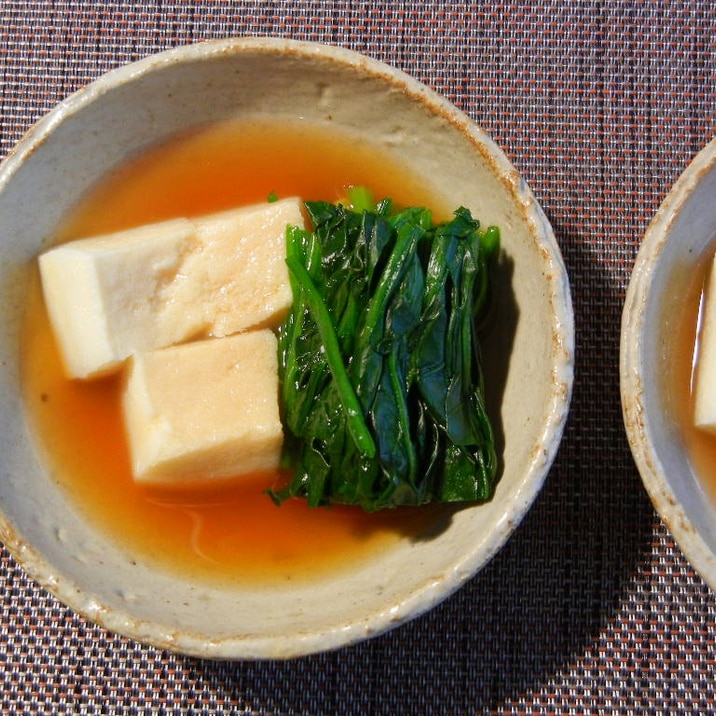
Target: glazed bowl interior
[676, 243]
[531, 356]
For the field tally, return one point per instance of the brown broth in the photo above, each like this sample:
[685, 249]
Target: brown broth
[700, 444]
[230, 530]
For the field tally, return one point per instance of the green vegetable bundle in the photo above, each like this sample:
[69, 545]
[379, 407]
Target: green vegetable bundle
[381, 378]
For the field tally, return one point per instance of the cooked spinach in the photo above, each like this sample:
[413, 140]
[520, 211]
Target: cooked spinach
[381, 379]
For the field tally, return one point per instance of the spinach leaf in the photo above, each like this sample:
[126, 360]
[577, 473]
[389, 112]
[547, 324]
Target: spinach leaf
[381, 377]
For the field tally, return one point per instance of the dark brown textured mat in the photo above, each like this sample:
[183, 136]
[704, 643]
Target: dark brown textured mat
[591, 607]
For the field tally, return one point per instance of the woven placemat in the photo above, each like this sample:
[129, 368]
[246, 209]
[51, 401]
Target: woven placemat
[590, 607]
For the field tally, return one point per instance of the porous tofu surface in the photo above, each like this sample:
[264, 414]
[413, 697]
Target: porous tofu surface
[161, 284]
[204, 410]
[705, 379]
[111, 295]
[243, 264]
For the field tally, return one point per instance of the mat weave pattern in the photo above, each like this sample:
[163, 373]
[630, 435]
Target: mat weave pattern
[591, 607]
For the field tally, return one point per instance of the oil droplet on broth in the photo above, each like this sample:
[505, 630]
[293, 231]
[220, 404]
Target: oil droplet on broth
[231, 530]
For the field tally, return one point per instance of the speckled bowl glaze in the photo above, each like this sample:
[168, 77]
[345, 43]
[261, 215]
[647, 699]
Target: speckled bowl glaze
[683, 229]
[531, 353]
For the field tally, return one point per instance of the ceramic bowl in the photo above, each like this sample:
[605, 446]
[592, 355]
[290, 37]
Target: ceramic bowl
[681, 235]
[531, 354]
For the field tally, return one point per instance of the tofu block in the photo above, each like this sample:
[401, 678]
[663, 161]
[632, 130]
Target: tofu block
[705, 378]
[243, 265]
[165, 283]
[204, 410]
[111, 295]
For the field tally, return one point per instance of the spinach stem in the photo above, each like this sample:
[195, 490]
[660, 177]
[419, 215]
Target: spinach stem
[401, 405]
[317, 308]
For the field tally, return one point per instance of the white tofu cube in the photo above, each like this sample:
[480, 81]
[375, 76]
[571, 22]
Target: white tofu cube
[111, 295]
[204, 410]
[705, 378]
[164, 283]
[243, 265]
